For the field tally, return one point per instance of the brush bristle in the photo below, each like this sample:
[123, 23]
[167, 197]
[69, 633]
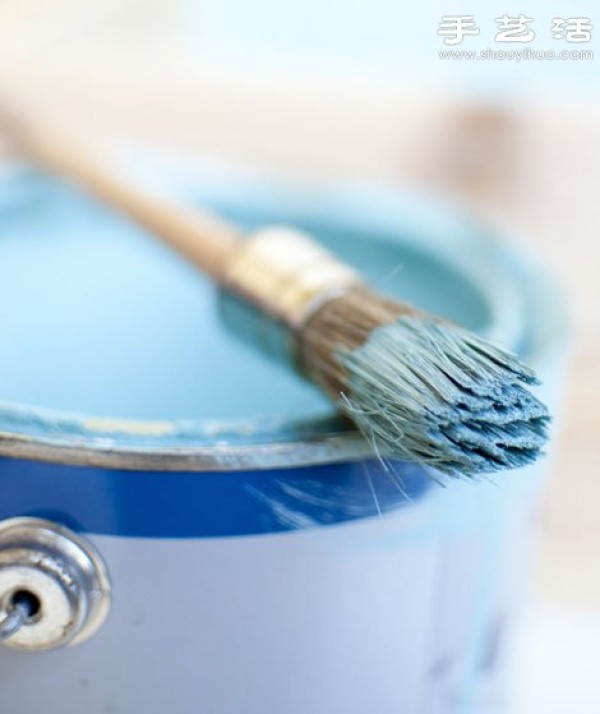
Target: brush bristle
[424, 390]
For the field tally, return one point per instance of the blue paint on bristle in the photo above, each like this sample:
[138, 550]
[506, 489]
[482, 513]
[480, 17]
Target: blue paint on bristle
[432, 392]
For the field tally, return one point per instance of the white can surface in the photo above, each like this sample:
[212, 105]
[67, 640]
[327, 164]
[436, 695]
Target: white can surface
[261, 561]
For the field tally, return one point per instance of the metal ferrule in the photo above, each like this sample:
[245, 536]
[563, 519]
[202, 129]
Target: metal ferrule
[275, 283]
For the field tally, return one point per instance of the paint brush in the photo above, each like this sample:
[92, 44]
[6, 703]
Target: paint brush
[418, 387]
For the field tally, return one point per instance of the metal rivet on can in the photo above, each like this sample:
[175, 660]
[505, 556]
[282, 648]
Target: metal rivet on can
[57, 578]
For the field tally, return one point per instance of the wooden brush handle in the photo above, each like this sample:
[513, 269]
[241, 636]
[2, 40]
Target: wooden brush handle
[209, 242]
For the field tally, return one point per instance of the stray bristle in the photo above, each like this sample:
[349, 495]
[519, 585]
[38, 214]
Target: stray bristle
[424, 390]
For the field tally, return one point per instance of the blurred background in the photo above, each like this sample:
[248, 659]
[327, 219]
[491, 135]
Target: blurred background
[359, 90]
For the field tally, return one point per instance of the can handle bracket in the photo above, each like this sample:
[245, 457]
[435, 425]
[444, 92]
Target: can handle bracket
[54, 586]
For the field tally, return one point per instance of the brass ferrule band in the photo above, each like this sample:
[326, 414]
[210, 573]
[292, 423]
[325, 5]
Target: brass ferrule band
[287, 275]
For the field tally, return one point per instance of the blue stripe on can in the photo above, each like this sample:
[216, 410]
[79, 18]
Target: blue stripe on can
[157, 504]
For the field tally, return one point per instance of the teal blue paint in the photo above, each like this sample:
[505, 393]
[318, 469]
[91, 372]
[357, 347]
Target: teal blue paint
[150, 346]
[257, 329]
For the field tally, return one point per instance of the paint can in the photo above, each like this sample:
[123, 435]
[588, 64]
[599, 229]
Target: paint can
[215, 538]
